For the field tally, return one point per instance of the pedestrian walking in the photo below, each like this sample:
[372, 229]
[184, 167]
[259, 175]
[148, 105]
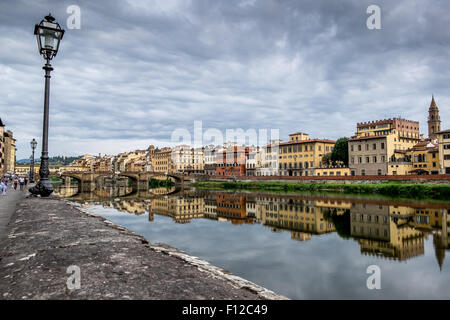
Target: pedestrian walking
[21, 183]
[3, 188]
[16, 181]
[26, 181]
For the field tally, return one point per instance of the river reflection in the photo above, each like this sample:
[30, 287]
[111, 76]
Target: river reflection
[301, 246]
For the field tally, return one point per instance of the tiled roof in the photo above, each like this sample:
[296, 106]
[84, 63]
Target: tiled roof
[306, 141]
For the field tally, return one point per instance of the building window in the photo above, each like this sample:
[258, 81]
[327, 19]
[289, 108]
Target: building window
[379, 172]
[363, 172]
[374, 146]
[374, 159]
[382, 145]
[359, 147]
[367, 160]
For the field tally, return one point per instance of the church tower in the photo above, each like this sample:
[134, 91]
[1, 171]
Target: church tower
[434, 121]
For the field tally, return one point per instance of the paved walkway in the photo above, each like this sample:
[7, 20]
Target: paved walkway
[48, 239]
[8, 206]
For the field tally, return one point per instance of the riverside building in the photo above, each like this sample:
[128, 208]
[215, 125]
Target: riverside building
[301, 155]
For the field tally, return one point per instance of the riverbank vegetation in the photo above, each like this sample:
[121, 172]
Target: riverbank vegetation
[395, 189]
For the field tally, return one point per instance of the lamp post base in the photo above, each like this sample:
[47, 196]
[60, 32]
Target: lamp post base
[43, 188]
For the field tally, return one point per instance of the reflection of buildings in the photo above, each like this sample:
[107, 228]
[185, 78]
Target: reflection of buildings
[301, 217]
[210, 208]
[130, 206]
[116, 191]
[385, 230]
[182, 210]
[232, 207]
[441, 238]
[162, 191]
[251, 209]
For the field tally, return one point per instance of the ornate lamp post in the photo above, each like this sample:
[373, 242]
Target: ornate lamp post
[49, 35]
[33, 144]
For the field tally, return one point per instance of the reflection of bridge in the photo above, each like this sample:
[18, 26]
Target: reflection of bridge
[87, 180]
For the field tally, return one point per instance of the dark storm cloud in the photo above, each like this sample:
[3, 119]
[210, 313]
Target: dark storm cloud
[137, 70]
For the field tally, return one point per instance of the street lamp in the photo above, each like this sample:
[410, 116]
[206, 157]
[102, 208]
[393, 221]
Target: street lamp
[49, 35]
[33, 144]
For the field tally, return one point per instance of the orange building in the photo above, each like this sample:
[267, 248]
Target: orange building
[231, 161]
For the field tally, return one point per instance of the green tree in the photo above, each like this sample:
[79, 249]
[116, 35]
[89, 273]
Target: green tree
[326, 159]
[340, 151]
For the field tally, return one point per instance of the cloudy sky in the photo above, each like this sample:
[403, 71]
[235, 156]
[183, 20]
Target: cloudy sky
[137, 70]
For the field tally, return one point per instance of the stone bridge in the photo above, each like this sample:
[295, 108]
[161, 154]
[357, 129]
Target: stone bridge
[87, 180]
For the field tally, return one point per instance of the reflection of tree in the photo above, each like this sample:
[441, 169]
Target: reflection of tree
[341, 221]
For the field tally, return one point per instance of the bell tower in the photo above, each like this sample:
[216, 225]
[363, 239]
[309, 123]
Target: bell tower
[434, 121]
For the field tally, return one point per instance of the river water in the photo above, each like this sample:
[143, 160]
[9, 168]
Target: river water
[302, 246]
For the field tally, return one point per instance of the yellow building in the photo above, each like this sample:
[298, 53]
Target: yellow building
[24, 169]
[7, 150]
[425, 158]
[398, 168]
[443, 138]
[10, 151]
[335, 171]
[162, 161]
[300, 156]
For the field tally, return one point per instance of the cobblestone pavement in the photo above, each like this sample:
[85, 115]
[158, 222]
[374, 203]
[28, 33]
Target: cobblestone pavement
[46, 236]
[8, 206]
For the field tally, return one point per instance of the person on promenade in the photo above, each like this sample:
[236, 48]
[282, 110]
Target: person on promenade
[22, 183]
[3, 188]
[16, 181]
[26, 180]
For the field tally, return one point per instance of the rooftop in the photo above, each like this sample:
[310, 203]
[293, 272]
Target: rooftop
[307, 141]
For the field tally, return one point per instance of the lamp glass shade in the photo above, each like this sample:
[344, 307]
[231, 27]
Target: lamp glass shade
[49, 35]
[33, 144]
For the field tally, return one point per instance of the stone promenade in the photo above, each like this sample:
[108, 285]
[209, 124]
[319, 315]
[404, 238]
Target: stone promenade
[45, 237]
